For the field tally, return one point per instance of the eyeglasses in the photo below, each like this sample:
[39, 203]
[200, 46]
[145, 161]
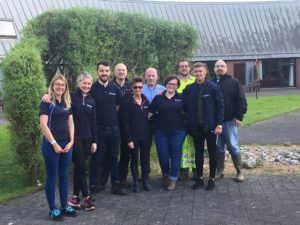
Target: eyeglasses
[183, 66]
[59, 84]
[221, 66]
[137, 87]
[172, 84]
[85, 74]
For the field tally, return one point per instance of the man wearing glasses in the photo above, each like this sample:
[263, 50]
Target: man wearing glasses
[235, 107]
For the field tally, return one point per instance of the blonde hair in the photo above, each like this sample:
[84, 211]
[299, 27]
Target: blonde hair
[83, 76]
[66, 95]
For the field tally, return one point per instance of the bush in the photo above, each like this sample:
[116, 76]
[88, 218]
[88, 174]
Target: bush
[79, 37]
[24, 84]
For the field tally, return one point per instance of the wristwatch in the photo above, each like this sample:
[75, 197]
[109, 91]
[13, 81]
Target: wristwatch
[53, 142]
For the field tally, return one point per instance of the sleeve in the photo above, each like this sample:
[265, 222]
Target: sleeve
[241, 103]
[184, 100]
[94, 123]
[124, 110]
[118, 97]
[44, 108]
[220, 105]
[153, 105]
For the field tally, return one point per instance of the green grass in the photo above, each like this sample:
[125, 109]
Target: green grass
[268, 107]
[13, 180]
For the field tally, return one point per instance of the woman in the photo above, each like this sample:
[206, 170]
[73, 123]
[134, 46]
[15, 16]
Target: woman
[170, 130]
[57, 125]
[83, 108]
[134, 111]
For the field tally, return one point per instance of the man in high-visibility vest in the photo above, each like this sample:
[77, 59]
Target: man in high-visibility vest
[188, 150]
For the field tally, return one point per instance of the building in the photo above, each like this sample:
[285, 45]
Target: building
[259, 40]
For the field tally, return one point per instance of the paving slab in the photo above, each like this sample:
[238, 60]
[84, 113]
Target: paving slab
[264, 200]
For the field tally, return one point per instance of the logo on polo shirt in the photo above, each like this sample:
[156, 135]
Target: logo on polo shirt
[88, 105]
[111, 93]
[177, 100]
[204, 96]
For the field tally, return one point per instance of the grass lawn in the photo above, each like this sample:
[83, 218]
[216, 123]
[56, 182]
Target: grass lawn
[268, 107]
[13, 179]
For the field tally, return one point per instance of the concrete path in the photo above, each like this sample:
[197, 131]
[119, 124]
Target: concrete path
[272, 200]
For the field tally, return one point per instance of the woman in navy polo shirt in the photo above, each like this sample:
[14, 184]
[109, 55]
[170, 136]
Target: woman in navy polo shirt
[170, 130]
[57, 125]
[134, 112]
[83, 109]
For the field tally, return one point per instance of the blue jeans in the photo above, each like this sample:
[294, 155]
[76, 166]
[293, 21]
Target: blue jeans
[229, 137]
[56, 165]
[169, 146]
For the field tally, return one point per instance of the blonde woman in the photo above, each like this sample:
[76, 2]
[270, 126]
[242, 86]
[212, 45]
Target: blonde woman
[57, 125]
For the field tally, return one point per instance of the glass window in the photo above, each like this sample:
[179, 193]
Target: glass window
[7, 29]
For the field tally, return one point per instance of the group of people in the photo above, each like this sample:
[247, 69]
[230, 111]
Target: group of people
[115, 121]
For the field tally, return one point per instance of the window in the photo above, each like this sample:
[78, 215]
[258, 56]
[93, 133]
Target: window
[7, 29]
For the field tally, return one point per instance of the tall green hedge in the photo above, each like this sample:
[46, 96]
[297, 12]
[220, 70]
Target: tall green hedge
[74, 40]
[24, 83]
[79, 37]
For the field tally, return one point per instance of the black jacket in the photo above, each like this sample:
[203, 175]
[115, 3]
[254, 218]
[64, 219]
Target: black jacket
[84, 115]
[235, 102]
[212, 104]
[134, 119]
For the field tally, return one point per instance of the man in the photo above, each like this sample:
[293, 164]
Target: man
[188, 152]
[123, 84]
[107, 99]
[203, 103]
[235, 108]
[150, 90]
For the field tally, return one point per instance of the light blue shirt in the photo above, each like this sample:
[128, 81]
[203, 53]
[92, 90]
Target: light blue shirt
[151, 92]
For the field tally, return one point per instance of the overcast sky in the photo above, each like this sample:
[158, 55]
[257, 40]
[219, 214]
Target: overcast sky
[215, 0]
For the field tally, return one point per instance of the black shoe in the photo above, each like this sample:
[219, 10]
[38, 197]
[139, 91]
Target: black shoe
[117, 190]
[55, 214]
[125, 184]
[199, 183]
[210, 185]
[146, 186]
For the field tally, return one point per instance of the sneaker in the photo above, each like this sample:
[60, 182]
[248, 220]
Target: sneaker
[171, 186]
[74, 202]
[239, 177]
[68, 211]
[88, 204]
[118, 190]
[55, 214]
[199, 183]
[210, 185]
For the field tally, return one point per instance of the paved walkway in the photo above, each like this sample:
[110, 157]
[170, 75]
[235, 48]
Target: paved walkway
[272, 200]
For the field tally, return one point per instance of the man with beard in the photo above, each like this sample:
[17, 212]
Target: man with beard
[188, 151]
[235, 107]
[107, 98]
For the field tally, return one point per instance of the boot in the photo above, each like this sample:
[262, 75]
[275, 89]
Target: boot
[146, 186]
[116, 189]
[171, 186]
[135, 177]
[184, 174]
[194, 178]
[220, 166]
[238, 164]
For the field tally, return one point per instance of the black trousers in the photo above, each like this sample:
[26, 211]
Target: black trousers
[142, 147]
[106, 156]
[81, 152]
[124, 160]
[199, 136]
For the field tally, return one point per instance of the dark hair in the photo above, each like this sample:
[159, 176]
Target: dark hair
[199, 64]
[172, 77]
[104, 63]
[137, 80]
[182, 60]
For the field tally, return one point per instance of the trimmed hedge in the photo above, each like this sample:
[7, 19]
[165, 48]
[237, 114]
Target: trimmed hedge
[79, 37]
[24, 83]
[74, 40]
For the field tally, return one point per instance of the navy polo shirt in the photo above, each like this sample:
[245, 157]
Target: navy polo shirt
[168, 112]
[58, 123]
[106, 99]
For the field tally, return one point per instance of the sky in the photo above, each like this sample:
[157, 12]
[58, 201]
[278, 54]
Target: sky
[214, 0]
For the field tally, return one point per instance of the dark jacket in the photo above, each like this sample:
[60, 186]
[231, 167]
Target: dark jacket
[134, 119]
[234, 98]
[212, 104]
[84, 115]
[125, 89]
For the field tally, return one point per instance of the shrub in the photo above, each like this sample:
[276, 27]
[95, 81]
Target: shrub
[24, 84]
